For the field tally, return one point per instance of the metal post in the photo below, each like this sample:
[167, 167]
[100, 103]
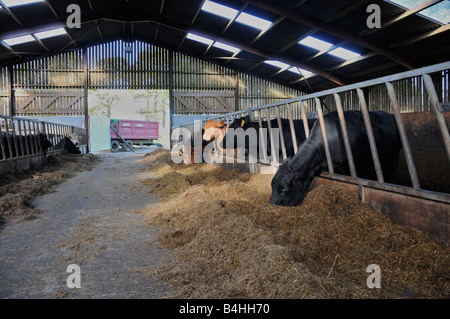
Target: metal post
[324, 136]
[373, 147]
[348, 148]
[86, 88]
[11, 91]
[16, 147]
[404, 138]
[171, 99]
[8, 139]
[437, 112]
[272, 142]
[291, 124]
[280, 127]
[305, 118]
[19, 124]
[262, 140]
[2, 145]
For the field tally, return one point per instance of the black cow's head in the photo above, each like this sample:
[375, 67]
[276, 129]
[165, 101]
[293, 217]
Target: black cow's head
[240, 122]
[45, 143]
[237, 123]
[289, 186]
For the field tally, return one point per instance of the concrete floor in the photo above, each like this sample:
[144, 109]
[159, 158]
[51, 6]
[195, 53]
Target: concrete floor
[90, 221]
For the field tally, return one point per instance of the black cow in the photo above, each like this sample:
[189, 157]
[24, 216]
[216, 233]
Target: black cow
[245, 124]
[19, 140]
[67, 144]
[290, 184]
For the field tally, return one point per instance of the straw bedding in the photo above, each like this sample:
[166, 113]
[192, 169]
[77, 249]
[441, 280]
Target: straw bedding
[17, 190]
[228, 242]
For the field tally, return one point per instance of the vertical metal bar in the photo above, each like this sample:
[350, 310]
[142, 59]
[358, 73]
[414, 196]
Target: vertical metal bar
[280, 126]
[291, 124]
[11, 91]
[305, 118]
[22, 137]
[404, 138]
[261, 139]
[16, 147]
[272, 142]
[8, 139]
[86, 88]
[36, 129]
[2, 145]
[348, 148]
[438, 112]
[324, 136]
[373, 147]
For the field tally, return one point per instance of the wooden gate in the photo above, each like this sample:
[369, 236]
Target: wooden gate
[204, 102]
[35, 103]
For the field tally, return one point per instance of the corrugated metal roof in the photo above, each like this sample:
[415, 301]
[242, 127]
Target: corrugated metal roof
[166, 22]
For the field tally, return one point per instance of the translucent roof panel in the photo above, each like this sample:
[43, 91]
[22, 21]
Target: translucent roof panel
[219, 10]
[200, 39]
[315, 43]
[226, 47]
[13, 3]
[50, 33]
[299, 71]
[253, 21]
[19, 40]
[439, 12]
[344, 53]
[277, 64]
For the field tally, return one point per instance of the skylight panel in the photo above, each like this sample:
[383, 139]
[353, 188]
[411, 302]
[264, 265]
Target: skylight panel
[277, 64]
[198, 38]
[13, 3]
[299, 71]
[50, 33]
[19, 40]
[219, 10]
[315, 43]
[226, 47]
[408, 4]
[440, 12]
[344, 53]
[253, 21]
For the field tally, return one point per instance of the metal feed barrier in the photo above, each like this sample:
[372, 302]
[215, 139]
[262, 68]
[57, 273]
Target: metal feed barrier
[27, 149]
[412, 206]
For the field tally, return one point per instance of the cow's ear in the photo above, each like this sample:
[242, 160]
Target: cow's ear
[221, 123]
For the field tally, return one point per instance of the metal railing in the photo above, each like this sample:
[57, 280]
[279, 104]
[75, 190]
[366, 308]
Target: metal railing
[315, 98]
[20, 137]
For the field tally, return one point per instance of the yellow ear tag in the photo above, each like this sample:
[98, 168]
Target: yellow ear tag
[242, 123]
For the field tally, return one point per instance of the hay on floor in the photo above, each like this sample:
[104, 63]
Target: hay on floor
[230, 243]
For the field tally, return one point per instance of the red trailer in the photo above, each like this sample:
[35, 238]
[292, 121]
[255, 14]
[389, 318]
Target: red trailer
[126, 133]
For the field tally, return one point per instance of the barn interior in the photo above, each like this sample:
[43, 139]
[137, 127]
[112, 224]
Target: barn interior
[71, 67]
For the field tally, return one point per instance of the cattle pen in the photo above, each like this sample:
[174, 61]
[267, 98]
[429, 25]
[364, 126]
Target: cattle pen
[410, 204]
[21, 147]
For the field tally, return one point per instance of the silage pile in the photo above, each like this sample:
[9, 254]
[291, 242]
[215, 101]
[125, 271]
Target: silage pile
[230, 243]
[17, 190]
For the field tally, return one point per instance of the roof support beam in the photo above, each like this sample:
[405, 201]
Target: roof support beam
[326, 27]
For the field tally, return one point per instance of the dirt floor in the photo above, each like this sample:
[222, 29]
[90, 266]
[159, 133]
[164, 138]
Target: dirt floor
[79, 210]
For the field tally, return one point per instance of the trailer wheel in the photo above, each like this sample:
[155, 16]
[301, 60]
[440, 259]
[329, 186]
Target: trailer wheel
[127, 146]
[115, 146]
